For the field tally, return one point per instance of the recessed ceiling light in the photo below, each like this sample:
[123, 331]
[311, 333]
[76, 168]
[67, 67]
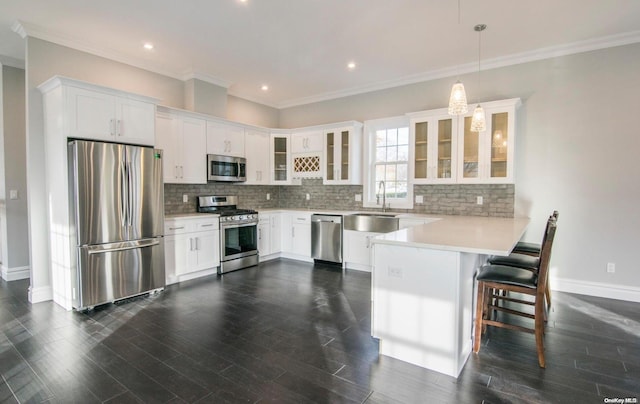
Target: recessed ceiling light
[264, 87]
[148, 46]
[351, 65]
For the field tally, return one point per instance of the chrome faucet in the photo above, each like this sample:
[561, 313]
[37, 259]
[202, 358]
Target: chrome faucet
[384, 196]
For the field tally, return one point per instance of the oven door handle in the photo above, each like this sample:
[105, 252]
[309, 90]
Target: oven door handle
[234, 226]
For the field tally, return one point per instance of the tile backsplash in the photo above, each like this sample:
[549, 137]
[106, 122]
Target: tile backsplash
[450, 199]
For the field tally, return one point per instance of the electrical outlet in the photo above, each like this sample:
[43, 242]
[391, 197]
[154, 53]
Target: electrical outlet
[13, 194]
[419, 199]
[611, 267]
[268, 196]
[185, 198]
[394, 272]
[358, 197]
[307, 197]
[479, 200]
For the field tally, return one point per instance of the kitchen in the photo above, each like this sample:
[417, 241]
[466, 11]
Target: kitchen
[560, 163]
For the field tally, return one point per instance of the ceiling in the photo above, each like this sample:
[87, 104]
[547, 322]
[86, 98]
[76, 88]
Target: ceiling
[300, 48]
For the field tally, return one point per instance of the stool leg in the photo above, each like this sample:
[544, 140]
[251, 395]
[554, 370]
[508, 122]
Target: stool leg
[479, 314]
[539, 329]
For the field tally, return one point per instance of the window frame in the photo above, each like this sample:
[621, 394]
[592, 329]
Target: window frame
[369, 163]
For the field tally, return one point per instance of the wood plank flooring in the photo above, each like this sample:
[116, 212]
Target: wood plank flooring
[289, 332]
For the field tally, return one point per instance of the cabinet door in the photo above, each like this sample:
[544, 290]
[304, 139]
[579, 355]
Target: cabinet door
[306, 142]
[224, 139]
[256, 145]
[193, 165]
[91, 114]
[207, 247]
[301, 240]
[275, 221]
[177, 255]
[280, 159]
[264, 238]
[169, 140]
[134, 122]
[488, 157]
[434, 152]
[343, 157]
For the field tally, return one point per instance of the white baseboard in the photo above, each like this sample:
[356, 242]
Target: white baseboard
[42, 294]
[610, 291]
[15, 274]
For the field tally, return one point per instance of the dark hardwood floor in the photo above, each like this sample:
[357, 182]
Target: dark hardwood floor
[287, 332]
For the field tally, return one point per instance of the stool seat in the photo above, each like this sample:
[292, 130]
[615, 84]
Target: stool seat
[508, 275]
[523, 247]
[516, 260]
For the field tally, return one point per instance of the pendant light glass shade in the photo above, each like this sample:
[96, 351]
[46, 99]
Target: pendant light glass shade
[478, 121]
[458, 100]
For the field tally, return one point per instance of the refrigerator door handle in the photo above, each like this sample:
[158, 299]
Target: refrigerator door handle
[128, 245]
[129, 195]
[124, 194]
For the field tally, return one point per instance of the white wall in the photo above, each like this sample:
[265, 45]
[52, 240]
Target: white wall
[251, 113]
[577, 147]
[15, 251]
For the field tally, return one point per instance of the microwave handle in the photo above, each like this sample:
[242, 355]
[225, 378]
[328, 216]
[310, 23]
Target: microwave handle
[238, 164]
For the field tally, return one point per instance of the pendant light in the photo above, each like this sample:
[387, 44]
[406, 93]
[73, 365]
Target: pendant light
[478, 121]
[458, 98]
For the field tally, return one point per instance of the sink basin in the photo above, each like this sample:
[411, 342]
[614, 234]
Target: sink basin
[372, 222]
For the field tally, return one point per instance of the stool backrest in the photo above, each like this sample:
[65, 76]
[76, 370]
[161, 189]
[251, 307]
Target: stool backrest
[545, 255]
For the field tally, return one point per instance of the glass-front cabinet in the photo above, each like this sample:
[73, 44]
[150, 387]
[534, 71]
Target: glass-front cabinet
[280, 149]
[488, 157]
[343, 155]
[433, 136]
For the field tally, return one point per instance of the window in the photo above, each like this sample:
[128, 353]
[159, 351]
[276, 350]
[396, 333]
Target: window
[387, 146]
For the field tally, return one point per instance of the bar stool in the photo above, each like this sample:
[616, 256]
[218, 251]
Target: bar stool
[494, 279]
[526, 256]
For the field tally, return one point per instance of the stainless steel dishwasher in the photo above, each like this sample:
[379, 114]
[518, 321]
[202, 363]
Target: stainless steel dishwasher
[326, 238]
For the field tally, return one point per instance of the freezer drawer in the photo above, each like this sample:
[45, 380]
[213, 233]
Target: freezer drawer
[114, 271]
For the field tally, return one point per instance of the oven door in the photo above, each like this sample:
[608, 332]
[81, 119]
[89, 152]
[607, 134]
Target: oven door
[237, 241]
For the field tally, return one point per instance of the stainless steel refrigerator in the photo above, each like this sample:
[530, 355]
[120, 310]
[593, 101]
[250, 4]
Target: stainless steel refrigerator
[117, 203]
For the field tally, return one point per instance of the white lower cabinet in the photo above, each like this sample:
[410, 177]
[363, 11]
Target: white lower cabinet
[296, 235]
[269, 235]
[357, 249]
[192, 247]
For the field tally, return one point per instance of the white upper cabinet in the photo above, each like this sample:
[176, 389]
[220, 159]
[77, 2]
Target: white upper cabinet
[256, 148]
[488, 157]
[307, 142]
[433, 135]
[280, 160]
[109, 116]
[225, 139]
[343, 156]
[183, 140]
[446, 151]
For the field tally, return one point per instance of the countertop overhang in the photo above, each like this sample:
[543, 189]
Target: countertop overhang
[471, 234]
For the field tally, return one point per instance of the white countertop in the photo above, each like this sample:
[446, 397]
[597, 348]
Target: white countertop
[190, 215]
[473, 234]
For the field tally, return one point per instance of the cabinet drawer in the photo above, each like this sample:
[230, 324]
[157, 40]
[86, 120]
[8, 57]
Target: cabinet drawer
[207, 225]
[178, 227]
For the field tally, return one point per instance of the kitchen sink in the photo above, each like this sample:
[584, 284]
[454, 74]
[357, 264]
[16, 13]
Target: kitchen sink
[372, 222]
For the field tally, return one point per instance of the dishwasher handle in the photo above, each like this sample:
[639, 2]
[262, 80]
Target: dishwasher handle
[326, 219]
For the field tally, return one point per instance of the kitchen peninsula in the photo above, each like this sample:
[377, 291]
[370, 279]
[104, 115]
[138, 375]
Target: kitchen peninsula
[423, 284]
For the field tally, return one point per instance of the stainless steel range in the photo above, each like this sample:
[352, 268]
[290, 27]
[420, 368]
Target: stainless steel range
[238, 231]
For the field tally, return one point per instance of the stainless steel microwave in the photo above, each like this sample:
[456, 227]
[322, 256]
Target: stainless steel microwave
[226, 168]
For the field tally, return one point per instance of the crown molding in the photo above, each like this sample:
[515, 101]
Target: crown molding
[12, 62]
[31, 30]
[206, 78]
[509, 60]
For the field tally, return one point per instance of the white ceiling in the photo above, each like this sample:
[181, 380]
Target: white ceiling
[300, 48]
